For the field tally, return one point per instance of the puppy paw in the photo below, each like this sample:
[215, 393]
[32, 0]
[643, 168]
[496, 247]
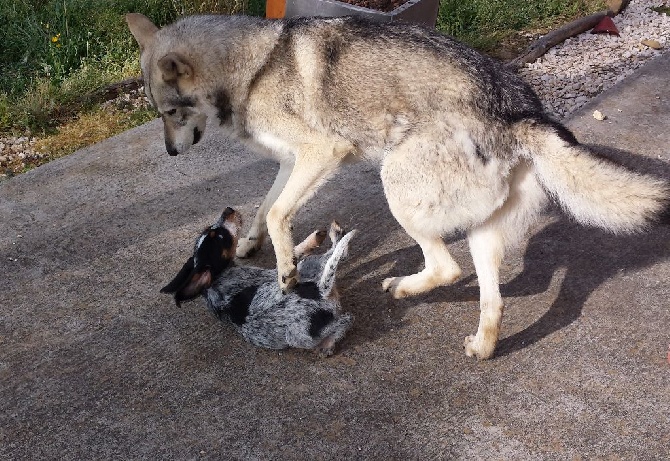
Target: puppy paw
[325, 352]
[248, 246]
[476, 348]
[326, 347]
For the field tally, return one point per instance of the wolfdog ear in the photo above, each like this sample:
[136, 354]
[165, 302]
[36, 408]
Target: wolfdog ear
[174, 67]
[142, 29]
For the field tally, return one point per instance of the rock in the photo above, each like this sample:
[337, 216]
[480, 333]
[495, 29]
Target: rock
[653, 44]
[605, 26]
[598, 115]
[616, 6]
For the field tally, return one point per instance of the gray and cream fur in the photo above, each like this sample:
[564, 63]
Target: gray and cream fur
[307, 317]
[462, 142]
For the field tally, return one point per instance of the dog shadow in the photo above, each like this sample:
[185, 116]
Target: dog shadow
[588, 256]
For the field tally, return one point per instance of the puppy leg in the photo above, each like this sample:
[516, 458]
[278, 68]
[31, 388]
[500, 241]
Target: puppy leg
[312, 167]
[253, 242]
[311, 243]
[332, 334]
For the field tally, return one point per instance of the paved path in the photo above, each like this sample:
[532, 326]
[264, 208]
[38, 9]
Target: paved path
[96, 364]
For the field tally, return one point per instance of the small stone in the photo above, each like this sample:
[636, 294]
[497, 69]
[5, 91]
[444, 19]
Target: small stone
[615, 6]
[653, 44]
[598, 115]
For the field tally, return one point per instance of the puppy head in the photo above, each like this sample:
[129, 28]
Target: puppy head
[170, 82]
[214, 251]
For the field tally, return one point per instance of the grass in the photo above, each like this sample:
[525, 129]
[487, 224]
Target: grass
[488, 24]
[663, 9]
[91, 127]
[54, 52]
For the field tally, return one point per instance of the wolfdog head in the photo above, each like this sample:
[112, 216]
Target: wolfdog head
[170, 84]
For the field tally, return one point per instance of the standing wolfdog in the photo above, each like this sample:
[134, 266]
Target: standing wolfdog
[463, 143]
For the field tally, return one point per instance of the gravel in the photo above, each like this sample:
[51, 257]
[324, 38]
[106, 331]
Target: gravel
[565, 78]
[572, 73]
[20, 152]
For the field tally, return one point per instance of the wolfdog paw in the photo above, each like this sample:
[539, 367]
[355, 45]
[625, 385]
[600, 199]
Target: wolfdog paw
[476, 348]
[287, 282]
[392, 285]
[248, 246]
[422, 282]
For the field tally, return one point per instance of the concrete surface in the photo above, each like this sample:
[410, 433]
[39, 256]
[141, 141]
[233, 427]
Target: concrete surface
[96, 364]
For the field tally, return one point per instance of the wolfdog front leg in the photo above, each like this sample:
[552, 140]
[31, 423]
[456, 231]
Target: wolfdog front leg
[313, 165]
[253, 242]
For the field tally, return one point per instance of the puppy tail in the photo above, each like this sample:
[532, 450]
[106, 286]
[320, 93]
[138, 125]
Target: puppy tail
[594, 190]
[340, 249]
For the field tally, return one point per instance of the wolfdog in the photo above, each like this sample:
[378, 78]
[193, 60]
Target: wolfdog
[306, 318]
[463, 142]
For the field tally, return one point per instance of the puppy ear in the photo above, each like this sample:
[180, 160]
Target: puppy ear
[175, 67]
[188, 284]
[181, 278]
[197, 282]
[142, 29]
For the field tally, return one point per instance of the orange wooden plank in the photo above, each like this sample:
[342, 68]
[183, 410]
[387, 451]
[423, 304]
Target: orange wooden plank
[275, 9]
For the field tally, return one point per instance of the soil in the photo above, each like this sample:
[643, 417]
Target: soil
[378, 5]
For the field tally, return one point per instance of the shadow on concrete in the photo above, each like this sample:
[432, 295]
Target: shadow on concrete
[590, 257]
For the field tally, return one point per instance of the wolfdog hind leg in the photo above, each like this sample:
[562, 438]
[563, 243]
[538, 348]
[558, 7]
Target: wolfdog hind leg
[440, 268]
[413, 185]
[487, 243]
[487, 248]
[253, 242]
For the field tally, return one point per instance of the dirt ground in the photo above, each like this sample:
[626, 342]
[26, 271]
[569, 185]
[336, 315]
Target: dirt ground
[96, 364]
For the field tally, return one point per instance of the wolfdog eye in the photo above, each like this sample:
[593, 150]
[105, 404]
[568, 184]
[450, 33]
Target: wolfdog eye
[171, 112]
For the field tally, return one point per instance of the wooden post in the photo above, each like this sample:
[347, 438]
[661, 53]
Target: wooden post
[275, 9]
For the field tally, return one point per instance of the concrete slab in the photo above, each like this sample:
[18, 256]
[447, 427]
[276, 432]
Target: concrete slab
[96, 364]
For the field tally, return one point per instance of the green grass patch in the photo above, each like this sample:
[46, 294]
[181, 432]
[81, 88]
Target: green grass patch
[54, 51]
[484, 24]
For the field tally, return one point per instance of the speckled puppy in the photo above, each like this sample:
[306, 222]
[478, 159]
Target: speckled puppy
[249, 297]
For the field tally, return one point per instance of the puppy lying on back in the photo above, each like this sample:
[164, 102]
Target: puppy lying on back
[250, 298]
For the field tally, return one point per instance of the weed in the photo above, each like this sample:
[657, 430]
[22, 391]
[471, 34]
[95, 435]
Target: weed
[662, 9]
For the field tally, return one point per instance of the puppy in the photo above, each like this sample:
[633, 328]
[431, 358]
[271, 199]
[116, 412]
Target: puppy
[249, 297]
